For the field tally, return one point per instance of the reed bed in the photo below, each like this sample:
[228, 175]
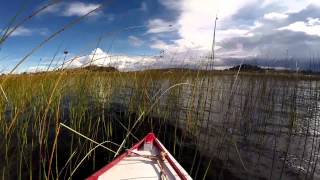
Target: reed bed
[66, 124]
[215, 126]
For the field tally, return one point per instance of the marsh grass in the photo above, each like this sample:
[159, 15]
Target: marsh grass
[68, 123]
[121, 107]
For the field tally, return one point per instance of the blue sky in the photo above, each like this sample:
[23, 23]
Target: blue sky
[111, 23]
[182, 28]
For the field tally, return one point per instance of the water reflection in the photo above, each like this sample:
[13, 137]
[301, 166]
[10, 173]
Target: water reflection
[259, 128]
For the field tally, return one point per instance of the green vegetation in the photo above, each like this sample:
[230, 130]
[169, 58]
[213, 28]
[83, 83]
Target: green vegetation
[37, 103]
[254, 124]
[176, 104]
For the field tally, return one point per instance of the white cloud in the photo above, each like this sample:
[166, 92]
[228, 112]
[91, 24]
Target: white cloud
[195, 23]
[75, 8]
[177, 46]
[135, 41]
[159, 44]
[292, 5]
[22, 31]
[79, 9]
[313, 21]
[231, 33]
[311, 27]
[37, 68]
[160, 26]
[52, 9]
[100, 58]
[171, 4]
[275, 16]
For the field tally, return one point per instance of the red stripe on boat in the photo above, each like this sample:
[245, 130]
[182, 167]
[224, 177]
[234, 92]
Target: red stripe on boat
[96, 175]
[150, 139]
[171, 162]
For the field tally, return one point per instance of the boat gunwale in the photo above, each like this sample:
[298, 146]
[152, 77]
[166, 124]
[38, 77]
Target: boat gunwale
[149, 138]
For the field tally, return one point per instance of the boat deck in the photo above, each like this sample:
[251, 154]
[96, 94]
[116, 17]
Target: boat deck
[147, 160]
[139, 167]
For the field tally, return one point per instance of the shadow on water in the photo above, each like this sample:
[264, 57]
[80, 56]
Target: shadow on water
[268, 130]
[174, 139]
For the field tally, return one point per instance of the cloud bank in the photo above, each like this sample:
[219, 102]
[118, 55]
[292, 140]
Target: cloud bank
[98, 57]
[75, 8]
[245, 29]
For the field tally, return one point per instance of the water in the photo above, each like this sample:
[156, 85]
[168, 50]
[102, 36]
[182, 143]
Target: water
[252, 128]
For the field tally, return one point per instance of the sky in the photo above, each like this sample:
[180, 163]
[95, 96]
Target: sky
[133, 34]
